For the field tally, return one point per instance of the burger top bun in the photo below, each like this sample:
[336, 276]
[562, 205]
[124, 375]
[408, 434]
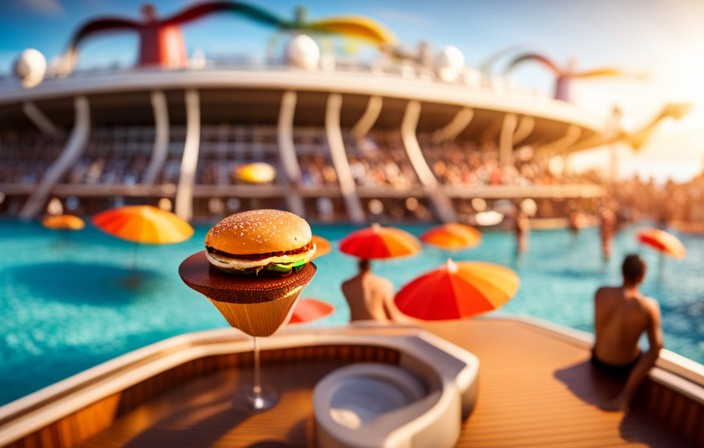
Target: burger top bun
[259, 232]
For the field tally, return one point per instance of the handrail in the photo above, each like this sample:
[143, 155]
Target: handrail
[385, 68]
[670, 368]
[34, 411]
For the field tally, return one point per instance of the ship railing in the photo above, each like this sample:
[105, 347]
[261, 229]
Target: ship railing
[468, 77]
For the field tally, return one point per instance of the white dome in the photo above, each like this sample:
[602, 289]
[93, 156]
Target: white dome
[30, 67]
[303, 52]
[448, 63]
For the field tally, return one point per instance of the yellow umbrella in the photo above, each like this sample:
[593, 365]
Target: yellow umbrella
[144, 224]
[256, 173]
[452, 236]
[322, 246]
[63, 222]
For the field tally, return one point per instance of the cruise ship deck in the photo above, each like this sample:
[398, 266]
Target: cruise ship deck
[536, 388]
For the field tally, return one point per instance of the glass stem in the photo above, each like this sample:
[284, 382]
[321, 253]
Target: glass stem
[257, 389]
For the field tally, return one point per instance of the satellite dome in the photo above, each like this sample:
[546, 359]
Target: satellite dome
[30, 67]
[448, 63]
[303, 52]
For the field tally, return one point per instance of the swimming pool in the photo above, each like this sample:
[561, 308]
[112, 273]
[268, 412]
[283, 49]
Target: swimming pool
[66, 306]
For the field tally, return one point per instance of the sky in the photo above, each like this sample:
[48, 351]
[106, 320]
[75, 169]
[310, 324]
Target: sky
[662, 42]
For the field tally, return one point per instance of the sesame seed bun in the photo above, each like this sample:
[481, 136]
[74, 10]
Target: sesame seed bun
[259, 232]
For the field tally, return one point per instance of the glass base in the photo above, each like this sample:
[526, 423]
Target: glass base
[264, 399]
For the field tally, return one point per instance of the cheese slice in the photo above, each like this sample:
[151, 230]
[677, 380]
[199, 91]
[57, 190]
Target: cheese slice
[231, 262]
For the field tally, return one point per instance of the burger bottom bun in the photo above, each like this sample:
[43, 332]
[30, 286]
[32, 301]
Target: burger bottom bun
[197, 272]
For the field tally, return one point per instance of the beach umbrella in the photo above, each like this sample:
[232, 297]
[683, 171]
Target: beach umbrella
[457, 290]
[144, 224]
[378, 242]
[309, 310]
[452, 236]
[662, 241]
[256, 173]
[322, 246]
[63, 222]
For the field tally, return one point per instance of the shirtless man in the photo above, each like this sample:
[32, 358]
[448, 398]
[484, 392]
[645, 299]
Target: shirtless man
[621, 315]
[521, 228]
[371, 297]
[608, 221]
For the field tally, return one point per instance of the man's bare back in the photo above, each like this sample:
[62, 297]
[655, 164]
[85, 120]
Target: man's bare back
[621, 315]
[367, 295]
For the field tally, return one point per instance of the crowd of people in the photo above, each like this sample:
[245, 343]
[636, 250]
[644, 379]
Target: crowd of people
[114, 155]
[24, 156]
[466, 164]
[120, 155]
[679, 205]
[380, 160]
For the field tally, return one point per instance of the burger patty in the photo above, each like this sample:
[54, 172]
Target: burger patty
[255, 257]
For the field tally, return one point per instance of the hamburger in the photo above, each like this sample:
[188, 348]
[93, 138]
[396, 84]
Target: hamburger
[247, 243]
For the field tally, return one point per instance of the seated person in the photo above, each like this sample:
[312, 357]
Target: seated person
[371, 297]
[621, 315]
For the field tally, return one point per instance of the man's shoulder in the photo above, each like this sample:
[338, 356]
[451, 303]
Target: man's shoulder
[607, 291]
[650, 304]
[381, 281]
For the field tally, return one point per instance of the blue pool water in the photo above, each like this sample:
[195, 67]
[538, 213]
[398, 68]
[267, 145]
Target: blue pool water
[66, 304]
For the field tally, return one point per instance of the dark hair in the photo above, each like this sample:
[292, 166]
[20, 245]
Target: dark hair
[363, 265]
[633, 268]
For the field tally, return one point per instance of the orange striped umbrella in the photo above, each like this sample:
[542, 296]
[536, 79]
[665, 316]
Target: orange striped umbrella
[322, 246]
[457, 290]
[63, 222]
[256, 173]
[452, 236]
[309, 310]
[144, 224]
[662, 241]
[378, 242]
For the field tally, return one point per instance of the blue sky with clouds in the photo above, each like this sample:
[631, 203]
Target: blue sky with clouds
[664, 39]
[633, 34]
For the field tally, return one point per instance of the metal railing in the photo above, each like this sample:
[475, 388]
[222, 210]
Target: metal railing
[468, 77]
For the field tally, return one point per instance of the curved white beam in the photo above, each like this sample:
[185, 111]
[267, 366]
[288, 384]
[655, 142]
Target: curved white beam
[525, 126]
[339, 159]
[442, 205]
[508, 127]
[161, 137]
[40, 120]
[189, 161]
[69, 156]
[287, 153]
[314, 81]
[458, 124]
[369, 117]
[561, 144]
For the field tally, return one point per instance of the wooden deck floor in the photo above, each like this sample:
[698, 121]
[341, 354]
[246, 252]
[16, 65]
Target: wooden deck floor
[535, 391]
[539, 391]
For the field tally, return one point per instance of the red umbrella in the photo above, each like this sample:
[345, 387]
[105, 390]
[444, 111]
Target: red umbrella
[378, 242]
[662, 241]
[457, 290]
[309, 310]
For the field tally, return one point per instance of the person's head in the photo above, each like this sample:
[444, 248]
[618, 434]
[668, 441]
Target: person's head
[633, 270]
[364, 265]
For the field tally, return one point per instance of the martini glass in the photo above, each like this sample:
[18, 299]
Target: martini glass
[258, 306]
